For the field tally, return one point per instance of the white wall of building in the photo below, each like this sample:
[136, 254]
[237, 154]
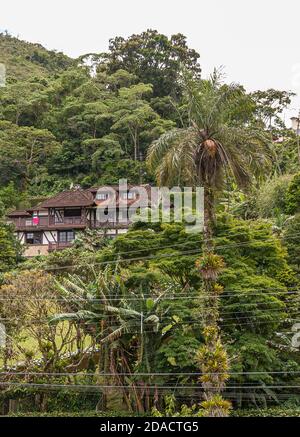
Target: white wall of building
[49, 237]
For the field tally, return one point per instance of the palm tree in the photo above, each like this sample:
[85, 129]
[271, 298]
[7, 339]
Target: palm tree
[214, 149]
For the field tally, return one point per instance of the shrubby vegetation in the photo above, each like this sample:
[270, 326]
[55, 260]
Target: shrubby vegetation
[104, 311]
[11, 251]
[157, 306]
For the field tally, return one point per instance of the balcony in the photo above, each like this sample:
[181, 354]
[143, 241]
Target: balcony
[52, 222]
[95, 224]
[59, 245]
[30, 223]
[67, 222]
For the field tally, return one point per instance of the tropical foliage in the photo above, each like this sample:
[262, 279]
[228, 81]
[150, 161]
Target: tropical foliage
[159, 320]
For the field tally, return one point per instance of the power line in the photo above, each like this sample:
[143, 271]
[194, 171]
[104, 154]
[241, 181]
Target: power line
[281, 372]
[193, 323]
[225, 293]
[233, 396]
[126, 299]
[171, 318]
[187, 243]
[151, 257]
[137, 387]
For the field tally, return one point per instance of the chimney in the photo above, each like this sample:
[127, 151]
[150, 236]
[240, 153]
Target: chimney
[75, 187]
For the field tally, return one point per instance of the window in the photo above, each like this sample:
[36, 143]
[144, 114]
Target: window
[72, 212]
[128, 195]
[34, 238]
[66, 236]
[123, 214]
[102, 196]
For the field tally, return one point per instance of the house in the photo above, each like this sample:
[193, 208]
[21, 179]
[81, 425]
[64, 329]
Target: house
[53, 223]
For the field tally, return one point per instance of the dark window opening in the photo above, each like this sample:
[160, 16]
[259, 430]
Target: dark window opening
[72, 212]
[66, 236]
[34, 238]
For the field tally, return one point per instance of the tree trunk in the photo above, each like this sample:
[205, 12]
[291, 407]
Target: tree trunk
[209, 220]
[212, 380]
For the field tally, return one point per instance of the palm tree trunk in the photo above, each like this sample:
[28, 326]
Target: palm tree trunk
[209, 219]
[213, 380]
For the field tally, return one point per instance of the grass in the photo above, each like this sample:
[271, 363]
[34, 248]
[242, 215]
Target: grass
[30, 345]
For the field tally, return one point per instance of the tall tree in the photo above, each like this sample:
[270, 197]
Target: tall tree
[24, 152]
[210, 150]
[153, 58]
[270, 104]
[133, 116]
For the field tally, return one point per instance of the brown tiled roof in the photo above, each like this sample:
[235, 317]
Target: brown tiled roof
[79, 198]
[37, 207]
[116, 187]
[20, 213]
[120, 202]
[69, 198]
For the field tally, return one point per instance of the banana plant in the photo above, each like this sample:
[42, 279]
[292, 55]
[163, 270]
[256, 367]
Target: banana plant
[127, 323]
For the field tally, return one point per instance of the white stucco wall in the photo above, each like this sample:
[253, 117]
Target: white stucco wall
[49, 237]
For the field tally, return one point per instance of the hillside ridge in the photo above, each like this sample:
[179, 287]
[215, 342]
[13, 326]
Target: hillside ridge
[24, 59]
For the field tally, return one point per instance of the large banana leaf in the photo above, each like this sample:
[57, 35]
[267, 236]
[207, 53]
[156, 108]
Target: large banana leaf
[124, 311]
[79, 316]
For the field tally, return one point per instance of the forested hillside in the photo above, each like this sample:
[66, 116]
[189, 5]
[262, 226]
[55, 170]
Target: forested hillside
[24, 60]
[87, 128]
[63, 121]
[217, 308]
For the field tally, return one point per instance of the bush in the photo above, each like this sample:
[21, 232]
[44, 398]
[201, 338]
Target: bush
[271, 199]
[88, 413]
[268, 412]
[10, 248]
[293, 195]
[292, 241]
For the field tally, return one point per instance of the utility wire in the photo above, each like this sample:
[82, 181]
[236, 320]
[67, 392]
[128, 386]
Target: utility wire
[172, 319]
[137, 387]
[187, 243]
[151, 257]
[204, 295]
[281, 372]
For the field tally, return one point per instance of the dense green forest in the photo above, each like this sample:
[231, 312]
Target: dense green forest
[221, 303]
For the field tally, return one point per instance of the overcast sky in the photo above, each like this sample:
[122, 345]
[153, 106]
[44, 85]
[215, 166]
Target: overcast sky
[257, 41]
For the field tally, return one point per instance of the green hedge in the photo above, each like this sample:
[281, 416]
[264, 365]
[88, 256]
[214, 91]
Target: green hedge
[74, 414]
[269, 412]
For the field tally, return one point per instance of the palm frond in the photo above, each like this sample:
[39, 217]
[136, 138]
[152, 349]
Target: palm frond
[161, 146]
[174, 164]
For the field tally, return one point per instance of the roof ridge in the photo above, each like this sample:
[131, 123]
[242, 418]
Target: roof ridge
[67, 197]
